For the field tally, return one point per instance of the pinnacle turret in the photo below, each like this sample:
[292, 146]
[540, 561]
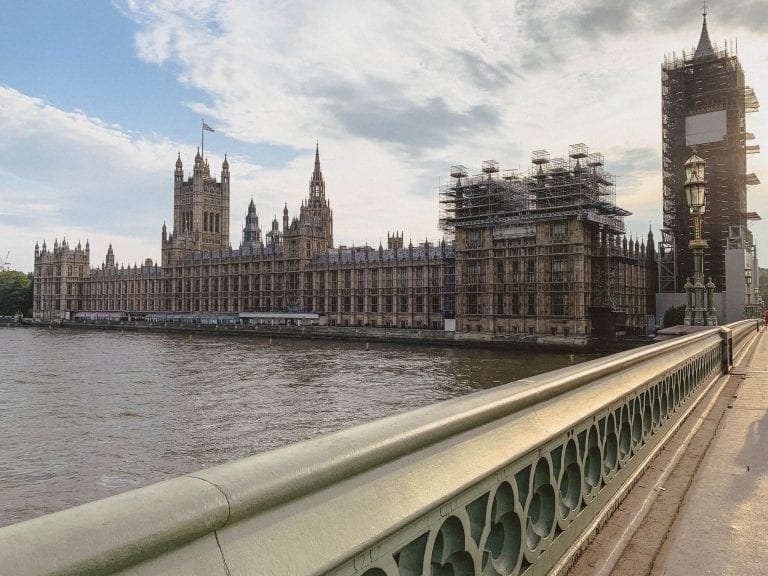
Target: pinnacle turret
[251, 231]
[317, 185]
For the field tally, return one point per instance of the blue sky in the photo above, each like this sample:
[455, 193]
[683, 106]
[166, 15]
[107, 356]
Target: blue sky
[97, 99]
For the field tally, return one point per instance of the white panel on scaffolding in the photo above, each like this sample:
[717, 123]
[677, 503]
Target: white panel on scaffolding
[703, 128]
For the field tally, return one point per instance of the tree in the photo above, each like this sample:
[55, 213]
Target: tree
[674, 316]
[15, 292]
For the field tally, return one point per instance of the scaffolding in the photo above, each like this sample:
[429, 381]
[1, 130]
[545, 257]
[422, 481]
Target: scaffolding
[488, 197]
[509, 205]
[552, 189]
[667, 262]
[751, 103]
[449, 283]
[706, 91]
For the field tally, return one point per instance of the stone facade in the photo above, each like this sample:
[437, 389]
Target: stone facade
[544, 255]
[543, 280]
[485, 283]
[295, 268]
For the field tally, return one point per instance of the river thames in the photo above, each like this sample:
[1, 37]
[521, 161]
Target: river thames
[88, 414]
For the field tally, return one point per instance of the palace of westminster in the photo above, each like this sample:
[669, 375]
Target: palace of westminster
[538, 256]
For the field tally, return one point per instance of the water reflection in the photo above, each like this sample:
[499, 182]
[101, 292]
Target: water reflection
[85, 414]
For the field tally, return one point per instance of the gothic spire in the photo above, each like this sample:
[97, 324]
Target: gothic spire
[704, 48]
[317, 185]
[317, 160]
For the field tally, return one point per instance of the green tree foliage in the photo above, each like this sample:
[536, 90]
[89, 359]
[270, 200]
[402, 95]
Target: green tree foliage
[15, 292]
[763, 276]
[674, 316]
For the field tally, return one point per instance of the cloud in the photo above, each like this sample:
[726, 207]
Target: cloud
[267, 68]
[395, 120]
[633, 163]
[750, 16]
[71, 162]
[66, 173]
[395, 92]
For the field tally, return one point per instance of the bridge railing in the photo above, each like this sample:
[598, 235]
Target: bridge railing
[503, 481]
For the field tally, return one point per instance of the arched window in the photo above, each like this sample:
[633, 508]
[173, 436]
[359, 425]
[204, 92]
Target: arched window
[205, 221]
[217, 222]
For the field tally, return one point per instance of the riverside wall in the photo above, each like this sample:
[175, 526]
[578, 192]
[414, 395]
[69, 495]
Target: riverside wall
[413, 336]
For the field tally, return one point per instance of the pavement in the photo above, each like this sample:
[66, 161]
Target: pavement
[722, 527]
[702, 506]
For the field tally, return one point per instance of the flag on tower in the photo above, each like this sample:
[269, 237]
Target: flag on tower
[206, 127]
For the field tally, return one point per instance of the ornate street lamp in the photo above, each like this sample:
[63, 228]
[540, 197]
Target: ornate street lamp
[700, 309]
[748, 312]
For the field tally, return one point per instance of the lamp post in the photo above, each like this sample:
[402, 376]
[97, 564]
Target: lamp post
[748, 313]
[700, 309]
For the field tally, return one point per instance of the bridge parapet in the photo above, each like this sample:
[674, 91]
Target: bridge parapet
[510, 480]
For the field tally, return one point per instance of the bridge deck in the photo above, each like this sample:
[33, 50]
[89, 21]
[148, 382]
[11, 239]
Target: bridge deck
[702, 508]
[722, 525]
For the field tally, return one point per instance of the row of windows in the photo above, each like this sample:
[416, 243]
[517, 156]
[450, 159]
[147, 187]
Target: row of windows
[519, 304]
[211, 222]
[345, 304]
[516, 304]
[419, 274]
[216, 291]
[344, 278]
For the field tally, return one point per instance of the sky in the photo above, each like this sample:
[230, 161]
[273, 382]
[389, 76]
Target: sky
[98, 98]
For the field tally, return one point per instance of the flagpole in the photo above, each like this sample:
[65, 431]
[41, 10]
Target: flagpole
[202, 137]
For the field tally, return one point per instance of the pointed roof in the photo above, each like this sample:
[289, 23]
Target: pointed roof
[316, 184]
[317, 175]
[704, 48]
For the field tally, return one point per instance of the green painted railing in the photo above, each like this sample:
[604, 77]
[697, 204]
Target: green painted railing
[504, 481]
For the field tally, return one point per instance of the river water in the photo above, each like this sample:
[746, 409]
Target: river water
[88, 414]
